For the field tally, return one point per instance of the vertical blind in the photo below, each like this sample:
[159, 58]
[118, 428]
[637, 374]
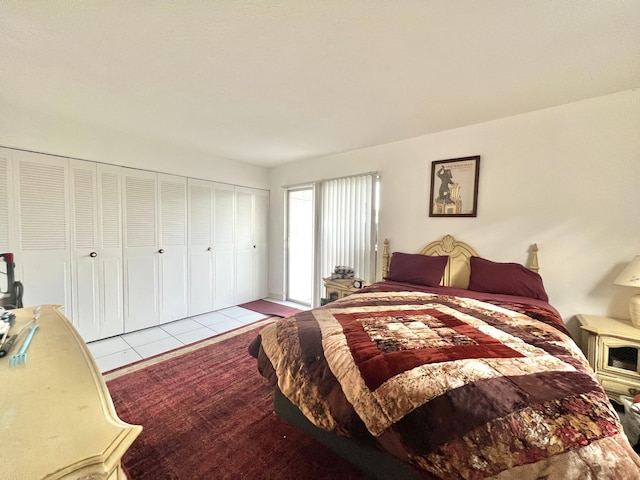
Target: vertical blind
[347, 231]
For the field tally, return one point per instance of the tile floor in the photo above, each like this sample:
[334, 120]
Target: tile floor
[119, 351]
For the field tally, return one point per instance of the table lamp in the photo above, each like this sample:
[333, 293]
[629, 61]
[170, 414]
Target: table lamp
[630, 277]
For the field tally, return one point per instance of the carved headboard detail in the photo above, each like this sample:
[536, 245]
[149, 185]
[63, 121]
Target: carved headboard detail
[457, 271]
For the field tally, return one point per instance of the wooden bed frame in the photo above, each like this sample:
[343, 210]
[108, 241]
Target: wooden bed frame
[381, 465]
[457, 271]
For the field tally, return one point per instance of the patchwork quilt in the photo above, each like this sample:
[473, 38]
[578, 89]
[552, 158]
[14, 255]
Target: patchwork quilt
[456, 387]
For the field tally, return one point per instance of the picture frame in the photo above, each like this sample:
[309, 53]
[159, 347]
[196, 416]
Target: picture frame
[454, 187]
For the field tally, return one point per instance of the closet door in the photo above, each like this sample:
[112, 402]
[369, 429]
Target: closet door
[223, 246]
[244, 246]
[200, 251]
[173, 247]
[251, 221]
[43, 254]
[140, 250]
[6, 207]
[261, 239]
[96, 249]
[7, 240]
[85, 279]
[110, 250]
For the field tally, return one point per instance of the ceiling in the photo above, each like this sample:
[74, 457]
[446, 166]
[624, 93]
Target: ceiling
[271, 82]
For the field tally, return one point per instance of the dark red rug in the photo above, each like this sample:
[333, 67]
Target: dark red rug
[208, 414]
[270, 308]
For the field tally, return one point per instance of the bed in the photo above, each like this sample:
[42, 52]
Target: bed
[452, 367]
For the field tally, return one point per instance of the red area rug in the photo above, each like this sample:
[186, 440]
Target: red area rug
[208, 414]
[270, 308]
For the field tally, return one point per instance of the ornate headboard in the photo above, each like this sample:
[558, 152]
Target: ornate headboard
[457, 271]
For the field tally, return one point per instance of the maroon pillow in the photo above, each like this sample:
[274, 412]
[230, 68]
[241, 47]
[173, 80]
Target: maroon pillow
[417, 268]
[505, 278]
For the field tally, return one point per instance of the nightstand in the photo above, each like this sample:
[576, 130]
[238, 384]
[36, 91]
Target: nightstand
[339, 288]
[613, 351]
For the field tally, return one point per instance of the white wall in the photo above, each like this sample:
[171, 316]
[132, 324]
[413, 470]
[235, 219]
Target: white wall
[566, 178]
[32, 130]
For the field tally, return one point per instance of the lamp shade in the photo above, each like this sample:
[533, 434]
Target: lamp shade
[630, 276]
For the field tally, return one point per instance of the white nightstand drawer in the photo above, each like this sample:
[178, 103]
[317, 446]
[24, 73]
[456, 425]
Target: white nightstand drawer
[340, 288]
[617, 386]
[619, 357]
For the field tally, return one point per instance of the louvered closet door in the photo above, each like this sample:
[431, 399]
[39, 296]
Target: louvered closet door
[261, 239]
[96, 235]
[6, 208]
[200, 249]
[251, 253]
[85, 279]
[244, 245]
[140, 250]
[43, 254]
[223, 246]
[7, 241]
[110, 250]
[173, 247]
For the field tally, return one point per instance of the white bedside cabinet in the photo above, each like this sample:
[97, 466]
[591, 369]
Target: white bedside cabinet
[613, 350]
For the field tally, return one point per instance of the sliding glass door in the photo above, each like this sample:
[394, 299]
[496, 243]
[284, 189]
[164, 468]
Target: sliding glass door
[332, 222]
[300, 240]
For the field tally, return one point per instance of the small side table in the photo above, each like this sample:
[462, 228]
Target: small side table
[613, 351]
[339, 288]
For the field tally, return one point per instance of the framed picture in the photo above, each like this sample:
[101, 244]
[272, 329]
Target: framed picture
[454, 187]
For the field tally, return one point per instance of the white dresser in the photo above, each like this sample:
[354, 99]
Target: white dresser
[57, 419]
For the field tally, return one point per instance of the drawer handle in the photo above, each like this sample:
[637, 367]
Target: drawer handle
[93, 254]
[161, 250]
